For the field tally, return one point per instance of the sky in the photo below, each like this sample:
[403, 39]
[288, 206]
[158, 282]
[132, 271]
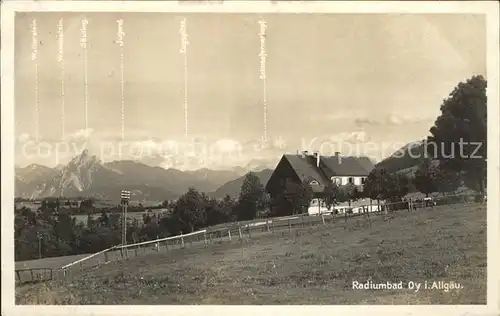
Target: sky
[382, 77]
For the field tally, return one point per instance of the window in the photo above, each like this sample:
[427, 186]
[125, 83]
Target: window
[351, 180]
[363, 180]
[314, 182]
[335, 180]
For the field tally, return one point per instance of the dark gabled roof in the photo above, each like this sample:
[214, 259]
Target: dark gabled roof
[346, 166]
[366, 163]
[305, 169]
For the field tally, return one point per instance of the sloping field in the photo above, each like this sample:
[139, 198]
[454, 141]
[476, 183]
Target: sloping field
[312, 265]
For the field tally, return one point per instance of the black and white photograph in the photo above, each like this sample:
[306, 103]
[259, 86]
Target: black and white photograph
[214, 154]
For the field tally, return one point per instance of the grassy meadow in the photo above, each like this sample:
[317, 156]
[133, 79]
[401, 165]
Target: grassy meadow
[311, 265]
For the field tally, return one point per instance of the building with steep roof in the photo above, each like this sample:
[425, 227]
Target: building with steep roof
[318, 171]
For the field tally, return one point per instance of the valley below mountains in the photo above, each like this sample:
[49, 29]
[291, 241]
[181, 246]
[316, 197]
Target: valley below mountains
[86, 176]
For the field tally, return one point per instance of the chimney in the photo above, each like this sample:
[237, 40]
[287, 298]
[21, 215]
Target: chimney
[337, 155]
[316, 156]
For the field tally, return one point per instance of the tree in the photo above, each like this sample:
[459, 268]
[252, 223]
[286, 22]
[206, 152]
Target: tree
[151, 228]
[349, 193]
[104, 219]
[252, 198]
[459, 133]
[299, 196]
[426, 178]
[190, 210]
[335, 194]
[228, 206]
[398, 186]
[218, 211]
[264, 206]
[447, 181]
[374, 186]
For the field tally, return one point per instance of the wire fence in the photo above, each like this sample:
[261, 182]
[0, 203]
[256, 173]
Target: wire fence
[239, 231]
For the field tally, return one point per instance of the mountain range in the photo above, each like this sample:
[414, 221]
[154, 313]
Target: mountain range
[85, 175]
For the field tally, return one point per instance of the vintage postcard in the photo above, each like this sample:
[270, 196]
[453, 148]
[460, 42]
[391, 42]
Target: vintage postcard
[338, 155]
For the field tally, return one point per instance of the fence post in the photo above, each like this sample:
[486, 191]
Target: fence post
[106, 258]
[239, 231]
[51, 274]
[205, 239]
[322, 218]
[302, 220]
[369, 218]
[289, 227]
[229, 233]
[249, 231]
[182, 240]
[272, 224]
[81, 266]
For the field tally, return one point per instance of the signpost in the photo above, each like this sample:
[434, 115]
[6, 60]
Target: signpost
[125, 197]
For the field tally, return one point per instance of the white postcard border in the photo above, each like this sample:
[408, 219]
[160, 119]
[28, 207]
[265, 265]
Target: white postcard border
[489, 8]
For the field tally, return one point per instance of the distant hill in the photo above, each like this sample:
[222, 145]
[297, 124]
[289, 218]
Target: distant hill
[30, 180]
[209, 179]
[233, 188]
[34, 173]
[404, 160]
[257, 165]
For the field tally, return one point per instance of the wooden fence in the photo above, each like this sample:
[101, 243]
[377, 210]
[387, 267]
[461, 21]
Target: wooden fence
[248, 229]
[122, 252]
[243, 230]
[32, 275]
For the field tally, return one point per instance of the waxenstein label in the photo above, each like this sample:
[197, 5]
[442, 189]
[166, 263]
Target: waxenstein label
[410, 285]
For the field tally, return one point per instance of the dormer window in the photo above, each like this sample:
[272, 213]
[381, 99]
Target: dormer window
[314, 182]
